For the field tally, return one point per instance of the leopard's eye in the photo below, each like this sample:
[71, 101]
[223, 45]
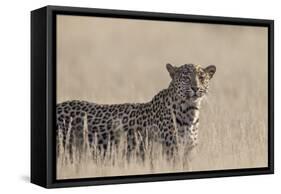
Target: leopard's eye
[201, 75]
[185, 78]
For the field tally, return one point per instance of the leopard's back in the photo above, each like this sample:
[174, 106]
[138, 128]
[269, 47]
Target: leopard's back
[101, 125]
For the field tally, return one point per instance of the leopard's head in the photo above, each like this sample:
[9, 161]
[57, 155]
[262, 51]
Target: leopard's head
[190, 81]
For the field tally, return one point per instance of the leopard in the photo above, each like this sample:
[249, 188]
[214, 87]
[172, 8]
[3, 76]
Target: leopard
[170, 118]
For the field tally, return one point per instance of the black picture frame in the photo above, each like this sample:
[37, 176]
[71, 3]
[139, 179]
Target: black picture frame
[43, 95]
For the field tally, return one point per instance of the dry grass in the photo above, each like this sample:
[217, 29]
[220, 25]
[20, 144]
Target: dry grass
[92, 161]
[116, 61]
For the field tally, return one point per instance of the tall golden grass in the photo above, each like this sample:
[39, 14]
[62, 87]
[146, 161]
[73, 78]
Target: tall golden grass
[91, 160]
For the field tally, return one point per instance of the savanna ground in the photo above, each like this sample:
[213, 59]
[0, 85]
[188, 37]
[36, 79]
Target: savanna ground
[116, 61]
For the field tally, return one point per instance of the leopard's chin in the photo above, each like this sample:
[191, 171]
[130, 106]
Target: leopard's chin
[193, 98]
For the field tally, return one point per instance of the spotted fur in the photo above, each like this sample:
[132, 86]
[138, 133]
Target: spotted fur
[170, 118]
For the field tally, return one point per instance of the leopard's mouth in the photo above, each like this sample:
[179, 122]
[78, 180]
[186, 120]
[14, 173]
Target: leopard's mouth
[192, 95]
[197, 94]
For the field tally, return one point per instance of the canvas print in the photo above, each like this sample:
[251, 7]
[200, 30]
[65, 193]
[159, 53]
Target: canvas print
[143, 97]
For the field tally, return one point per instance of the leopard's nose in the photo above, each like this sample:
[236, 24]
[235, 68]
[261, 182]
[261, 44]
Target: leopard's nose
[195, 89]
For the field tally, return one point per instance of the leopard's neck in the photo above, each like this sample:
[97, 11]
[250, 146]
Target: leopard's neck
[168, 100]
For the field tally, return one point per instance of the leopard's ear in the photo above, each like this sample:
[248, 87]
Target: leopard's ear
[171, 69]
[210, 70]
